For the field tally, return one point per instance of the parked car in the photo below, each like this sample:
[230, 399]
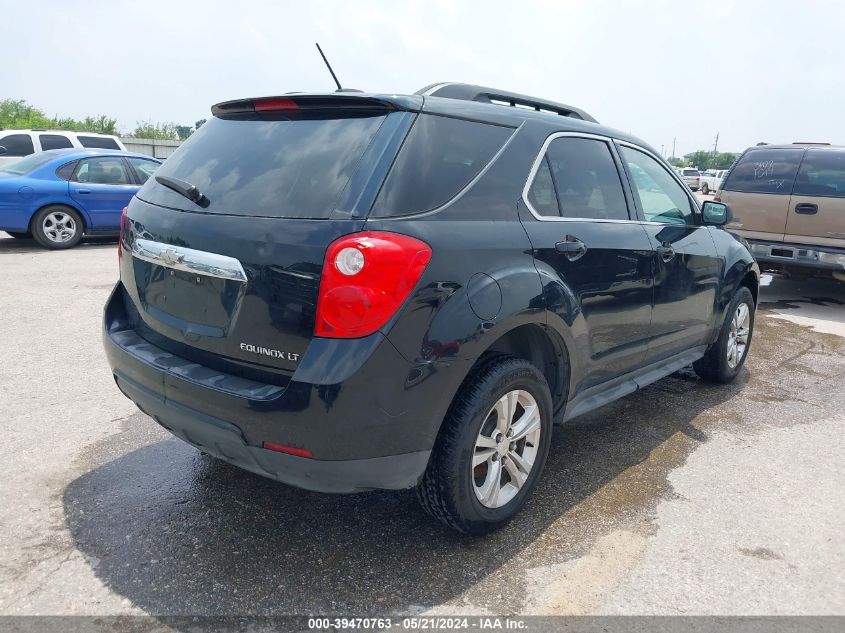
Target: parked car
[350, 291]
[15, 144]
[692, 177]
[711, 180]
[60, 195]
[789, 203]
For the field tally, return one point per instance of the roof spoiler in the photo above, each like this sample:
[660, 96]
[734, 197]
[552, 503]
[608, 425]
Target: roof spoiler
[301, 102]
[468, 92]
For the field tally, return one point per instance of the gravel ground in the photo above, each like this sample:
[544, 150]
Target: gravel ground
[682, 498]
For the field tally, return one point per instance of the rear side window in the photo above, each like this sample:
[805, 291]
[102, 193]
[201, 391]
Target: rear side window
[822, 173]
[765, 171]
[100, 142]
[54, 141]
[66, 171]
[17, 145]
[288, 168]
[542, 195]
[439, 158]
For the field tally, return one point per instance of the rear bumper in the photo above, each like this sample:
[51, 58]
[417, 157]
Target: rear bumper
[226, 441]
[368, 416]
[783, 255]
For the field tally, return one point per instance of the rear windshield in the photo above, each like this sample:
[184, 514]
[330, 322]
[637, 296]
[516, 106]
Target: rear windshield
[270, 168]
[26, 165]
[438, 159]
[765, 171]
[691, 172]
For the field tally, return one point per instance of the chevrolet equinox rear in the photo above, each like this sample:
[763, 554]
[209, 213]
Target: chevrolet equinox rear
[348, 292]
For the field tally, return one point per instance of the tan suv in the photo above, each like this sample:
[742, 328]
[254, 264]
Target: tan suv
[788, 201]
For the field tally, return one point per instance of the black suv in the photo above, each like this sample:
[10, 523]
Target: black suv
[350, 291]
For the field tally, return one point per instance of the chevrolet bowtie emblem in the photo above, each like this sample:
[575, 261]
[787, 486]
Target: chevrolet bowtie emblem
[171, 257]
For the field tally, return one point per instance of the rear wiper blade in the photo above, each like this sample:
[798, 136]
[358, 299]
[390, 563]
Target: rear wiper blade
[185, 189]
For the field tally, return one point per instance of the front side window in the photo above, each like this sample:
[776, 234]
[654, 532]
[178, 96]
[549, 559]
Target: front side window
[102, 171]
[822, 173]
[578, 179]
[98, 142]
[765, 171]
[143, 168]
[661, 197]
[54, 141]
[17, 145]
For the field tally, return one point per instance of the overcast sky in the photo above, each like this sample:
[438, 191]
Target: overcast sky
[768, 70]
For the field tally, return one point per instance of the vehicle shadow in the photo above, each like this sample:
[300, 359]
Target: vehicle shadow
[177, 532]
[11, 245]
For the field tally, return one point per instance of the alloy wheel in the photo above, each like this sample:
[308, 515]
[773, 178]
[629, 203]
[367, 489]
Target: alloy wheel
[738, 335]
[59, 227]
[506, 448]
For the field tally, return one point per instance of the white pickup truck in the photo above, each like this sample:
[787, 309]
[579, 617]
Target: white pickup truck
[711, 180]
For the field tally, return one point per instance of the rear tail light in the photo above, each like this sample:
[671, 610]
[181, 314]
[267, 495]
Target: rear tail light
[366, 278]
[124, 226]
[717, 198]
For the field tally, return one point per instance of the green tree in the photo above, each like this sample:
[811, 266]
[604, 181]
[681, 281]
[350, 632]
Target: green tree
[199, 124]
[17, 113]
[160, 131]
[184, 131]
[700, 159]
[724, 160]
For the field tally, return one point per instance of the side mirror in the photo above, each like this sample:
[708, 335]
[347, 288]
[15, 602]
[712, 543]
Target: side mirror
[716, 213]
[3, 150]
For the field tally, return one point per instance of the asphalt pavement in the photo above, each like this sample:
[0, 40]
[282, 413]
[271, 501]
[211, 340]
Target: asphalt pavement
[682, 498]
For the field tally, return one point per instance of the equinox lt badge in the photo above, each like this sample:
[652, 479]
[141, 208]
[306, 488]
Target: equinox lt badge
[266, 351]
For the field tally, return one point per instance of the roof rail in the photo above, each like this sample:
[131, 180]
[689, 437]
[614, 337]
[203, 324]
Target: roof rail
[468, 92]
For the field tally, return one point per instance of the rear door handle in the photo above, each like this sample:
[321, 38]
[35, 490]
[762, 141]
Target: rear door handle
[806, 208]
[83, 191]
[666, 252]
[572, 248]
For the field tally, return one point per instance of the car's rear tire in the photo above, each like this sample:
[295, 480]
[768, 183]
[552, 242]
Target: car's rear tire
[497, 430]
[57, 227]
[724, 358]
[705, 189]
[19, 236]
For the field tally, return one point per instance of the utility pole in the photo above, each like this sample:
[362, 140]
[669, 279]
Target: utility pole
[673, 146]
[716, 145]
[662, 153]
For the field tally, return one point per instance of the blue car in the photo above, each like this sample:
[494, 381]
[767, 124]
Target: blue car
[60, 195]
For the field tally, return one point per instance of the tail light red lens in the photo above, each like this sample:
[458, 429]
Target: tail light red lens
[366, 278]
[124, 226]
[280, 103]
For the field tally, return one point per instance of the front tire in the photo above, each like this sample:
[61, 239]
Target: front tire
[705, 189]
[491, 448]
[724, 358]
[57, 227]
